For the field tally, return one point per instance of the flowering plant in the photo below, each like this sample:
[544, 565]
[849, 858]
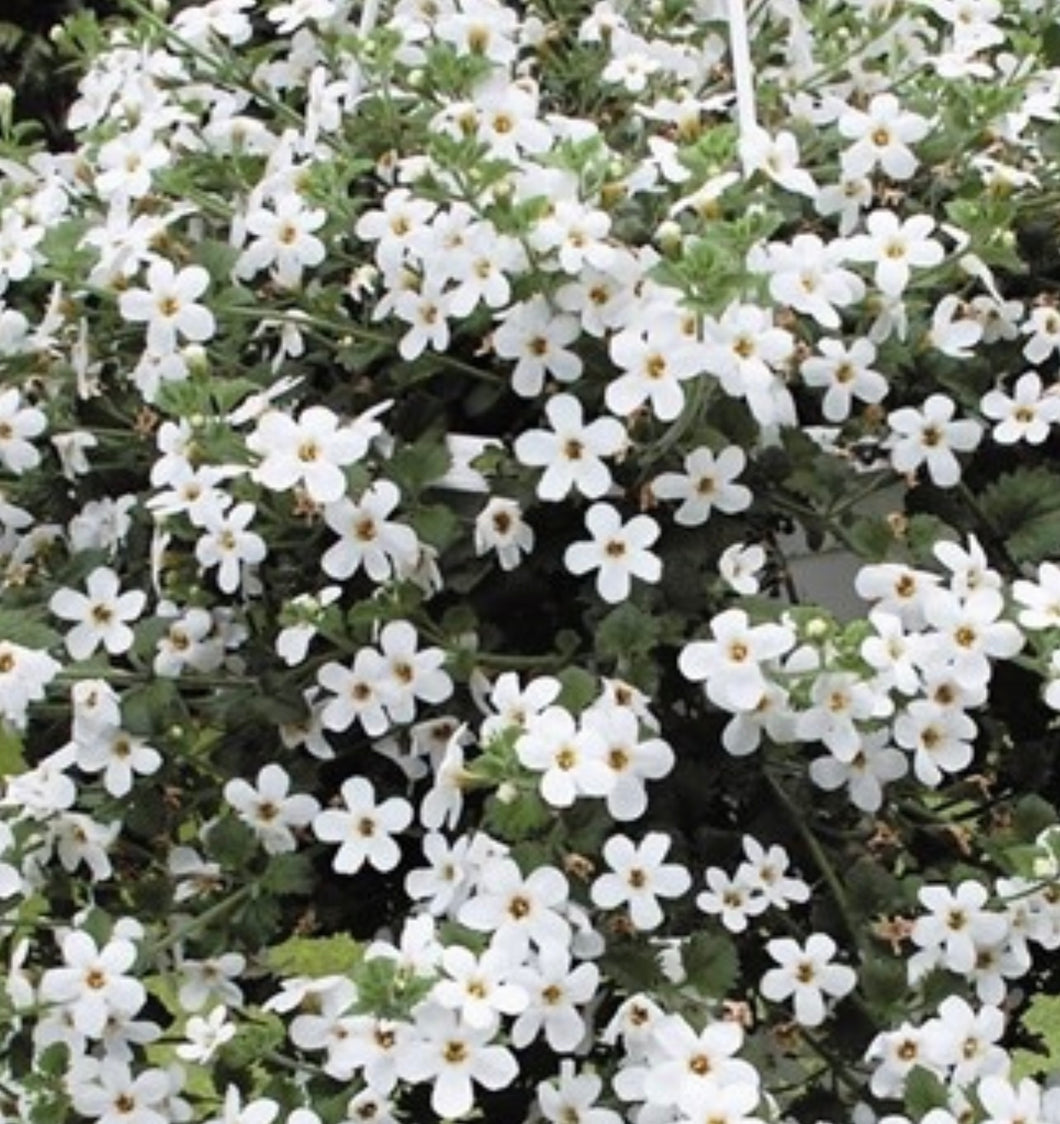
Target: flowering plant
[422, 424]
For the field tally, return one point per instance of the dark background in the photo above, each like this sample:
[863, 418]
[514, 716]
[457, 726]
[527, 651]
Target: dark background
[44, 82]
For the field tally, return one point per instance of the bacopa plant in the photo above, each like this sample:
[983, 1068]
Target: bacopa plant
[423, 425]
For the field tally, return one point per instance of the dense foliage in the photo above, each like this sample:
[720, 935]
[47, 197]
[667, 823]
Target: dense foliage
[420, 426]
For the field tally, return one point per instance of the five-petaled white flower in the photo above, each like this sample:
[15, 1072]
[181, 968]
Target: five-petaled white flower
[806, 975]
[929, 436]
[639, 877]
[618, 552]
[168, 306]
[363, 829]
[100, 615]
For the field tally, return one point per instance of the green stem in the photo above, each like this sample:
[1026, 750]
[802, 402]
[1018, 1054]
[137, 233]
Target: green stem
[343, 328]
[204, 919]
[828, 872]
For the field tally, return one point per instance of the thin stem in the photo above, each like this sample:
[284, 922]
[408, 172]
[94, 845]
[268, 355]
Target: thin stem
[311, 320]
[204, 919]
[835, 885]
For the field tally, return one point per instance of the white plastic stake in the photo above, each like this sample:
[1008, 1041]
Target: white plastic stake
[742, 70]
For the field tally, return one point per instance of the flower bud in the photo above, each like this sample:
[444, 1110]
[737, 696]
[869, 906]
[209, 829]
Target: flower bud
[668, 236]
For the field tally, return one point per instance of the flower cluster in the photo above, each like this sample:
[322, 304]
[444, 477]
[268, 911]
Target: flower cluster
[423, 426]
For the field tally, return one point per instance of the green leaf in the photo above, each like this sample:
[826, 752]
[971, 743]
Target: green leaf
[872, 538]
[711, 963]
[1031, 815]
[579, 689]
[1042, 1020]
[1024, 508]
[923, 1092]
[230, 842]
[416, 466]
[27, 628]
[523, 816]
[336, 955]
[289, 874]
[1051, 44]
[625, 632]
[883, 980]
[12, 762]
[150, 708]
[253, 1039]
[436, 525]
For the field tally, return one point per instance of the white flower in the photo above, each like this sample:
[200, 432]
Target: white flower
[874, 764]
[655, 361]
[100, 615]
[881, 136]
[311, 451]
[93, 983]
[807, 275]
[227, 544]
[708, 482]
[806, 975]
[571, 453]
[284, 240]
[929, 436]
[17, 423]
[168, 306]
[846, 374]
[453, 1057]
[364, 829]
[729, 666]
[268, 810]
[24, 674]
[639, 877]
[1043, 327]
[518, 910]
[555, 991]
[894, 246]
[205, 1036]
[733, 900]
[479, 988]
[409, 674]
[536, 337]
[618, 551]
[1025, 416]
[573, 1098]
[739, 566]
[118, 755]
[367, 537]
[500, 526]
[571, 758]
[958, 924]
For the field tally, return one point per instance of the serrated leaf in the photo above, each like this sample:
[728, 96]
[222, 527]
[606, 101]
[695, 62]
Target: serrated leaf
[413, 467]
[436, 525]
[21, 626]
[883, 980]
[253, 1040]
[871, 537]
[289, 874]
[625, 632]
[579, 689]
[230, 842]
[1024, 509]
[711, 963]
[336, 955]
[150, 708]
[1042, 1019]
[923, 1092]
[520, 818]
